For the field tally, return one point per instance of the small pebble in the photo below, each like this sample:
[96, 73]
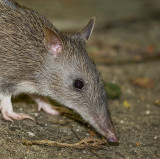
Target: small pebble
[35, 114]
[155, 137]
[148, 112]
[31, 134]
[121, 121]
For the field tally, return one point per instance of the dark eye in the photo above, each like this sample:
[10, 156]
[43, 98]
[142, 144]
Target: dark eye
[78, 84]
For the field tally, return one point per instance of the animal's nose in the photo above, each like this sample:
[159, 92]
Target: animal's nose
[112, 138]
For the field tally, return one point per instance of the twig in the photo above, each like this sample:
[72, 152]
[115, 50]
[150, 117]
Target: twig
[85, 143]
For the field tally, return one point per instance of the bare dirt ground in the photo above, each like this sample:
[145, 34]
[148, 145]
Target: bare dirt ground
[125, 46]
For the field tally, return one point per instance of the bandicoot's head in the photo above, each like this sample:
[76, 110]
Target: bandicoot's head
[73, 79]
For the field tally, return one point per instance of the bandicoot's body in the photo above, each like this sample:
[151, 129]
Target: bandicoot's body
[36, 58]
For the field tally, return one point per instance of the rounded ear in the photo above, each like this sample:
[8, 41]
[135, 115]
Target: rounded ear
[87, 31]
[52, 41]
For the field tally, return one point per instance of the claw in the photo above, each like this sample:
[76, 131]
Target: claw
[17, 116]
[6, 117]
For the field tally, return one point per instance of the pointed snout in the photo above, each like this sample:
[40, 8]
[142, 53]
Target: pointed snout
[109, 133]
[111, 137]
[105, 127]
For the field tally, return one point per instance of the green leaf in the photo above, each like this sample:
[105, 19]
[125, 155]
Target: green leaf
[113, 91]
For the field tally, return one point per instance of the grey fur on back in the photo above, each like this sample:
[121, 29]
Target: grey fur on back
[21, 39]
